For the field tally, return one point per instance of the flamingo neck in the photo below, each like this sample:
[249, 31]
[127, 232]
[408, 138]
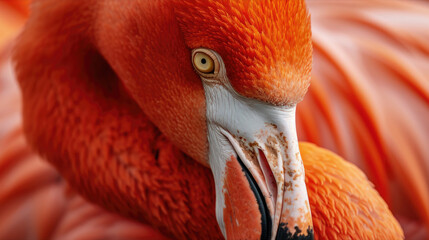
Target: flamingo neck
[79, 117]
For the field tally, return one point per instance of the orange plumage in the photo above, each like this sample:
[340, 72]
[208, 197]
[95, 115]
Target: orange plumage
[269, 60]
[131, 193]
[343, 204]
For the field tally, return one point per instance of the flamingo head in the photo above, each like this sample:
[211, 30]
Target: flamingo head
[254, 60]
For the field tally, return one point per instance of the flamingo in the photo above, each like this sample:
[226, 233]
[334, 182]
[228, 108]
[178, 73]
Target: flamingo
[128, 107]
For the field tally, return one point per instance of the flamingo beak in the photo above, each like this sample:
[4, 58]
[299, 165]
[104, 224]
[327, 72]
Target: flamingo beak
[259, 175]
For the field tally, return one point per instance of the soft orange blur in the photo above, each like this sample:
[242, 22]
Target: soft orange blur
[368, 102]
[369, 98]
[12, 16]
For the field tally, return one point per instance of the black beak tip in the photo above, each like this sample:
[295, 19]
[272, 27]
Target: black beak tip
[283, 233]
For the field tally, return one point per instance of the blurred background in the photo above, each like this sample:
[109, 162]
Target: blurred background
[368, 102]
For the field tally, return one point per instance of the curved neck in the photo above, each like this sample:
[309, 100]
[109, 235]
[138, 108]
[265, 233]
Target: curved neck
[78, 116]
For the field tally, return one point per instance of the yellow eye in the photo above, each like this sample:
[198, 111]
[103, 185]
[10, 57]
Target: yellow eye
[204, 63]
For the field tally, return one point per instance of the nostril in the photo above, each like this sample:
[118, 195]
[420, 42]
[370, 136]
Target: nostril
[268, 175]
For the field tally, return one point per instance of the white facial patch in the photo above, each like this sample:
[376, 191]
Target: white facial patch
[264, 137]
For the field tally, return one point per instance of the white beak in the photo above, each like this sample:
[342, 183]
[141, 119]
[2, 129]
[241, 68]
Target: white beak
[258, 171]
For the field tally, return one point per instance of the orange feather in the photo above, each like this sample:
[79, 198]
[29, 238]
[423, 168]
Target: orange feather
[344, 204]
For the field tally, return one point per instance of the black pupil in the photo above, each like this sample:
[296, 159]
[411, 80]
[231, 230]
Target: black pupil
[203, 61]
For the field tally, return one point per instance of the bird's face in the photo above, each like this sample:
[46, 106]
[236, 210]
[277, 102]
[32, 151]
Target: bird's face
[248, 64]
[254, 60]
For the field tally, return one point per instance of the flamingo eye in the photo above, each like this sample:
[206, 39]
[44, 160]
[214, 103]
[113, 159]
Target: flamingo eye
[205, 62]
